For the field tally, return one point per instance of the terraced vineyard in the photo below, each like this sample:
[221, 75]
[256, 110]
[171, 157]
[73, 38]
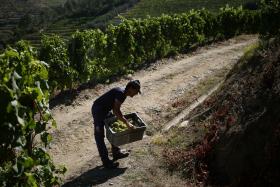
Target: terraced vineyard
[158, 7]
[12, 13]
[62, 30]
[61, 17]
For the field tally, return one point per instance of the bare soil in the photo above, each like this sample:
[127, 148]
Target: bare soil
[165, 85]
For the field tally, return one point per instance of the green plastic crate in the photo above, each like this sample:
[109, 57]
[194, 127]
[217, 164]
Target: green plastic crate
[128, 136]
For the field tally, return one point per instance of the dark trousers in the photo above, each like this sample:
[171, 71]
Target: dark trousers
[99, 136]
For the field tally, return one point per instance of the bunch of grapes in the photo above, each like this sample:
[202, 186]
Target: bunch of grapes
[118, 126]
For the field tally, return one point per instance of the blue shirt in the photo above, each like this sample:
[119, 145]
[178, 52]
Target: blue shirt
[104, 103]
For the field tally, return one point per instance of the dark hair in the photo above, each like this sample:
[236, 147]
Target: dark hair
[135, 84]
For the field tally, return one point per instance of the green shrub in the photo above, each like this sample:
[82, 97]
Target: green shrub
[24, 117]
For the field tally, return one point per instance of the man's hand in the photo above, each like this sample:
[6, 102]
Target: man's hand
[130, 126]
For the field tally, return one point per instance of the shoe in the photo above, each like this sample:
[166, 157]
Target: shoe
[110, 164]
[120, 155]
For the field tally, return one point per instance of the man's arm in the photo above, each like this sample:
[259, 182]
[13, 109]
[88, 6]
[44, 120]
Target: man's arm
[118, 113]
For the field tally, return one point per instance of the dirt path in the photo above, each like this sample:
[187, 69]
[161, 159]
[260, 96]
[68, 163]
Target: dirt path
[166, 80]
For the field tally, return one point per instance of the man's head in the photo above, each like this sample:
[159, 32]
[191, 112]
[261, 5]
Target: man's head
[133, 88]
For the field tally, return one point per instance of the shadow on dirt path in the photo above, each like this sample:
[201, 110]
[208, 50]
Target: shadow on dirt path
[95, 176]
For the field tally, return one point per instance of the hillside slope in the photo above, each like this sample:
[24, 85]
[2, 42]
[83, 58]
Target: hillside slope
[159, 7]
[30, 19]
[245, 124]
